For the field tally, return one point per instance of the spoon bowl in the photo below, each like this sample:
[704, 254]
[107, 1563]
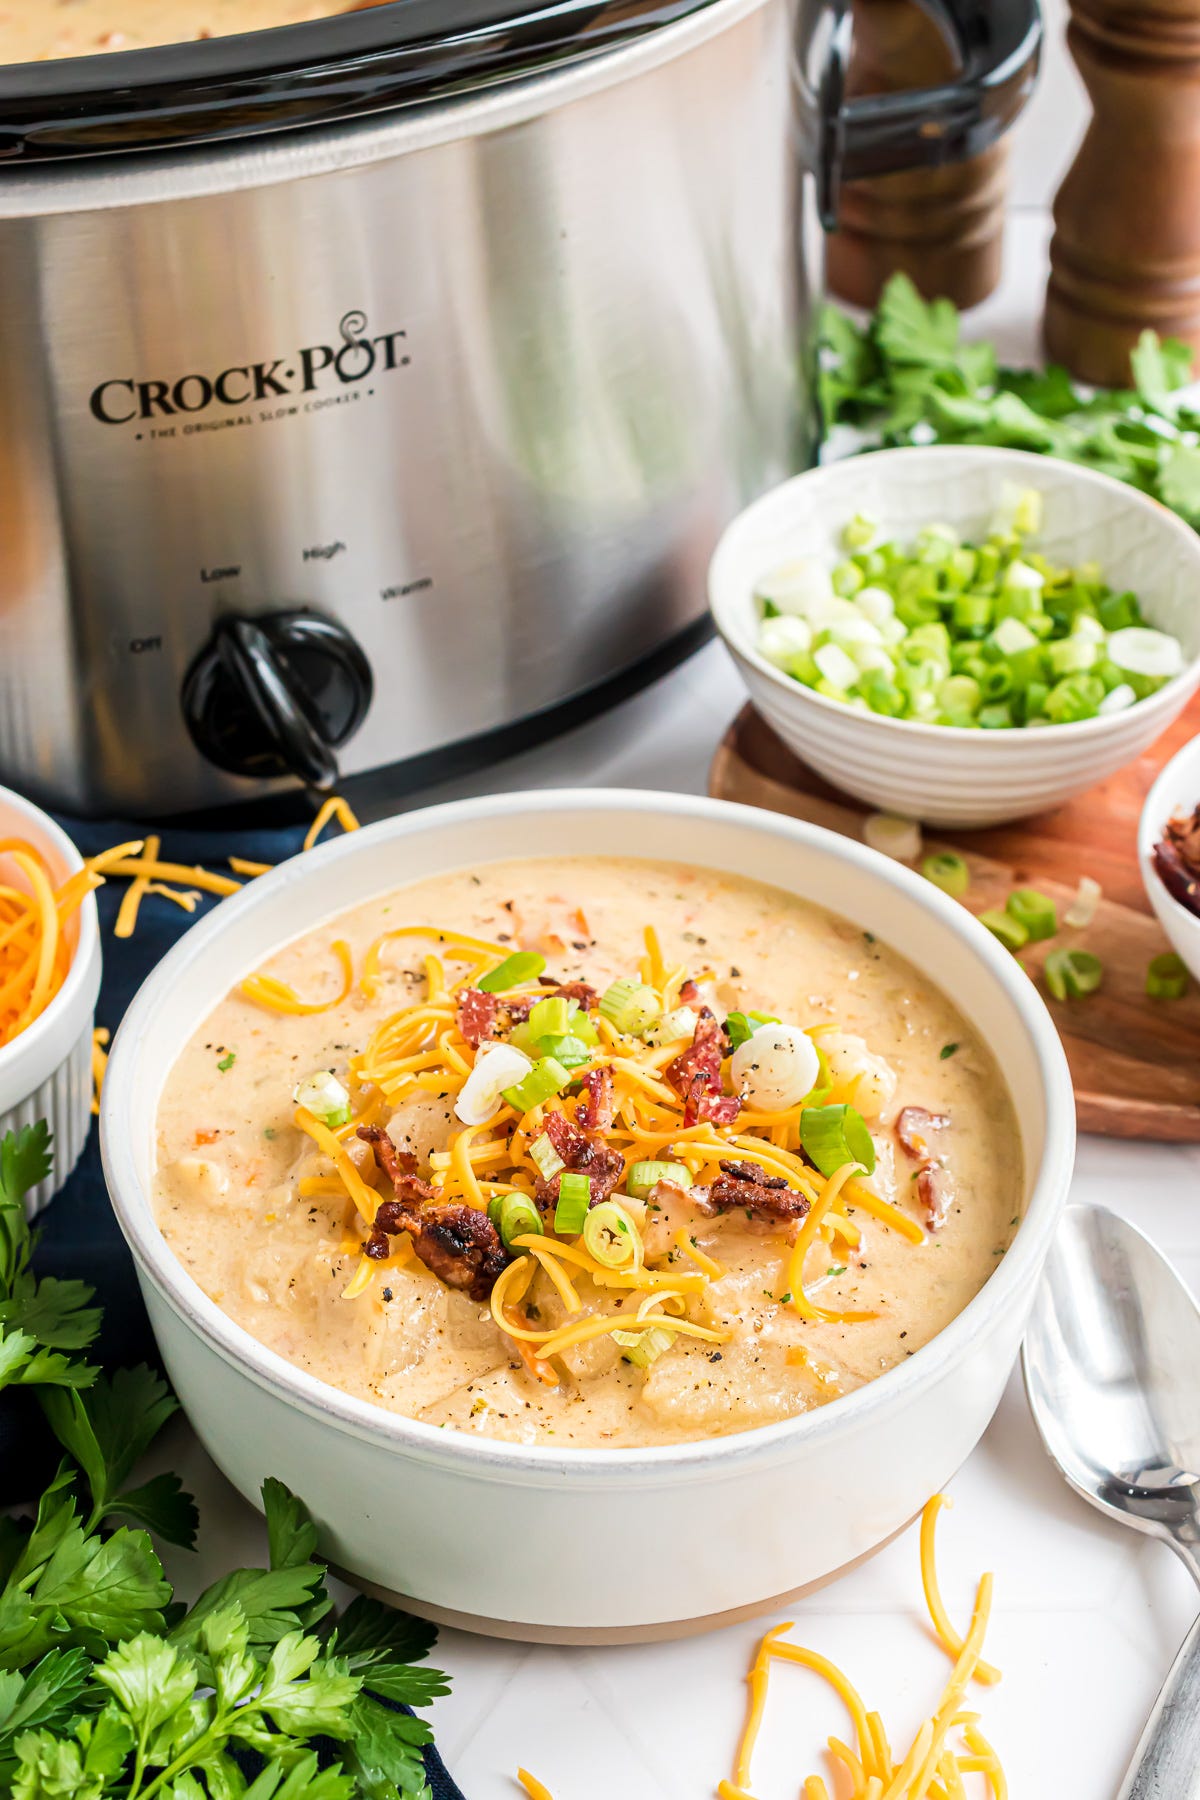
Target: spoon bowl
[1111, 1358]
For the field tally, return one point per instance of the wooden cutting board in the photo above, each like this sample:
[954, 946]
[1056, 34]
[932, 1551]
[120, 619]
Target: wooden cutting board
[1135, 1061]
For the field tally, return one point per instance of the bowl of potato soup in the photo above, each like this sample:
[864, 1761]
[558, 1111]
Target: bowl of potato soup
[586, 1169]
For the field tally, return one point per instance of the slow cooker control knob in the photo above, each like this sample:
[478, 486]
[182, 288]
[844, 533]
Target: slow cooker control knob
[277, 694]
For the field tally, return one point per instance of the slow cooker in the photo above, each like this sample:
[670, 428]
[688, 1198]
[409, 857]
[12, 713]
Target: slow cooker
[374, 387]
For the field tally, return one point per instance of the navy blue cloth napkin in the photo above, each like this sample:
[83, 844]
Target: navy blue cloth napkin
[78, 1234]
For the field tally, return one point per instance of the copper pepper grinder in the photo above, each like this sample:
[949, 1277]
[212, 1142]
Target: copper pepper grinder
[943, 227]
[1126, 248]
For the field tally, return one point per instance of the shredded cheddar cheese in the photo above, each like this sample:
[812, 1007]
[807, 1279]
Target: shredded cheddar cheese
[950, 1640]
[35, 952]
[332, 808]
[100, 1037]
[931, 1768]
[535, 1789]
[365, 1198]
[132, 898]
[419, 1049]
[278, 997]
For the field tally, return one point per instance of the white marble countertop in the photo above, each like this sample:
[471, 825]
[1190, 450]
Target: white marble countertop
[1087, 1616]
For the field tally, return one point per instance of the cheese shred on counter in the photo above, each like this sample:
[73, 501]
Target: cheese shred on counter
[933, 1766]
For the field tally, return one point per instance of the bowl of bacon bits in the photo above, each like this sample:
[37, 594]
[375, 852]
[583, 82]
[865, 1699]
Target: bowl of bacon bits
[1169, 853]
[49, 980]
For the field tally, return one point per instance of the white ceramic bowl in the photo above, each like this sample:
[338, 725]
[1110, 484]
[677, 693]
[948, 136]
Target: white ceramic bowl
[46, 1072]
[943, 774]
[537, 1541]
[1177, 789]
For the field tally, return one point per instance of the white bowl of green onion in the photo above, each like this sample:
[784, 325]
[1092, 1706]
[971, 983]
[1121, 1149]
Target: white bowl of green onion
[961, 635]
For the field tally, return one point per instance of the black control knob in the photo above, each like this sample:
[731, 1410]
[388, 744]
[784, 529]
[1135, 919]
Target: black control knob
[277, 695]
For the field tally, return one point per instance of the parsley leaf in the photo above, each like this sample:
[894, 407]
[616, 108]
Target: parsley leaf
[37, 1319]
[55, 1313]
[106, 1430]
[1159, 367]
[291, 1534]
[1179, 480]
[906, 377]
[382, 1645]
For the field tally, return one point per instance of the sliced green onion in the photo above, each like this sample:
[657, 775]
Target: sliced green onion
[494, 1208]
[1139, 650]
[545, 1079]
[680, 1022]
[1072, 974]
[1082, 909]
[1167, 977]
[570, 1051]
[1035, 911]
[948, 872]
[897, 838]
[521, 966]
[546, 1158]
[859, 533]
[323, 1095]
[574, 1198]
[835, 1135]
[740, 1026]
[518, 1217]
[581, 1027]
[641, 1348]
[1010, 931]
[610, 1235]
[646, 1175]
[548, 1018]
[630, 1006]
[989, 636]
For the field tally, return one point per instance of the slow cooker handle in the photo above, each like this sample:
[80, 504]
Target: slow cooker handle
[998, 44]
[251, 660]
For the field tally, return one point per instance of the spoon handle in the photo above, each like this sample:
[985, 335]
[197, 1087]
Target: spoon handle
[1166, 1764]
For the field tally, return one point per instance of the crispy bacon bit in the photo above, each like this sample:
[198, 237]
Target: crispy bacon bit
[695, 1075]
[744, 1185]
[689, 992]
[1177, 875]
[578, 990]
[1183, 831]
[583, 1153]
[458, 1244]
[933, 1194]
[702, 1103]
[477, 1015]
[913, 1128]
[596, 1108]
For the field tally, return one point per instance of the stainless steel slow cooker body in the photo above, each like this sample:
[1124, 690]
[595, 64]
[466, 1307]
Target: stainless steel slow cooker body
[351, 443]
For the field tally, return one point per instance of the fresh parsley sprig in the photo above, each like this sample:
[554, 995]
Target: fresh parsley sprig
[110, 1688]
[907, 377]
[41, 1322]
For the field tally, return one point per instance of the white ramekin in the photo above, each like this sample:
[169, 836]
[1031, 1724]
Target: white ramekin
[46, 1072]
[1177, 790]
[537, 1540]
[943, 774]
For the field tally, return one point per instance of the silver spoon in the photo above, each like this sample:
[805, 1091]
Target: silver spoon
[1112, 1370]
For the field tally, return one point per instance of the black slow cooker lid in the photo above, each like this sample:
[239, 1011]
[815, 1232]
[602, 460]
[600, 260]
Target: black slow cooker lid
[407, 53]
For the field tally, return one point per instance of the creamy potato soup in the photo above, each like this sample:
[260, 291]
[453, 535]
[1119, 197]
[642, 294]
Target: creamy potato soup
[490, 1153]
[38, 30]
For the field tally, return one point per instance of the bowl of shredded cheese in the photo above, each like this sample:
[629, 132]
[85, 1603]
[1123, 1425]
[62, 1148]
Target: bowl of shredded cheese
[49, 980]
